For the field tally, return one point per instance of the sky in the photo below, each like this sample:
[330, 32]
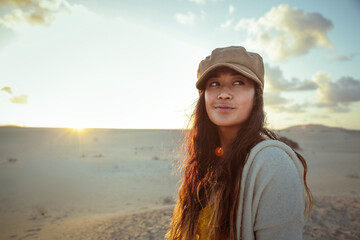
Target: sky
[133, 64]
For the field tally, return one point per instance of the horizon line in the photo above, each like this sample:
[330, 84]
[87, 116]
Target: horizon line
[112, 128]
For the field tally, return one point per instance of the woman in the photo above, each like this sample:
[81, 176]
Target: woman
[238, 180]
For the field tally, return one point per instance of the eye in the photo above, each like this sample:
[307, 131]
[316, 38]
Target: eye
[238, 82]
[214, 84]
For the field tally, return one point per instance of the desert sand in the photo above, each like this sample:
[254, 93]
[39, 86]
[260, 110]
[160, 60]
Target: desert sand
[120, 184]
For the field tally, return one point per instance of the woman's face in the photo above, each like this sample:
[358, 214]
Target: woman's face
[229, 98]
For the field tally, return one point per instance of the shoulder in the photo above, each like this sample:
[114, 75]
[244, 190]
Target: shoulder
[272, 161]
[277, 185]
[273, 156]
[271, 186]
[271, 148]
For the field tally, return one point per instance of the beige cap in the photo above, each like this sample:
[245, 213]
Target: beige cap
[237, 58]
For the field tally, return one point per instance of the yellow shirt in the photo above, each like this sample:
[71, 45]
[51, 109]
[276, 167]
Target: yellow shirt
[204, 219]
[203, 224]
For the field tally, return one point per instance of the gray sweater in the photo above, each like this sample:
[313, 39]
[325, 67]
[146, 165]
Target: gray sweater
[271, 201]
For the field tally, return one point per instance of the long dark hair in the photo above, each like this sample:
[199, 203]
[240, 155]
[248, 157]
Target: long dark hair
[204, 173]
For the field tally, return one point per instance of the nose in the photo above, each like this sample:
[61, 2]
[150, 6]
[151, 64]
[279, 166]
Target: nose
[223, 95]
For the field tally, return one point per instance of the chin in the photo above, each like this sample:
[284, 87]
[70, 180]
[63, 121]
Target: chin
[228, 125]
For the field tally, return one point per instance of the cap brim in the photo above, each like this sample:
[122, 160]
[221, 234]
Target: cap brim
[200, 84]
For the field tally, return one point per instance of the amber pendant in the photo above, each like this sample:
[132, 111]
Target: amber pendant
[219, 151]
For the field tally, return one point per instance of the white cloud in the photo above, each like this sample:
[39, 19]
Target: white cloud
[185, 18]
[272, 98]
[275, 78]
[285, 32]
[198, 1]
[231, 9]
[201, 2]
[21, 99]
[33, 12]
[227, 24]
[336, 96]
[320, 116]
[346, 89]
[295, 108]
[7, 89]
[333, 107]
[276, 102]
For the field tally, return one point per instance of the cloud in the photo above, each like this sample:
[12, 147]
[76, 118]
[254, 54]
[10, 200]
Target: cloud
[185, 18]
[345, 58]
[201, 2]
[198, 1]
[231, 9]
[7, 89]
[333, 96]
[33, 12]
[286, 32]
[320, 116]
[271, 99]
[336, 96]
[346, 89]
[280, 104]
[333, 107]
[227, 24]
[295, 108]
[274, 77]
[22, 99]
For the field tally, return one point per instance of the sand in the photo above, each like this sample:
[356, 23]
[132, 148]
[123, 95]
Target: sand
[333, 217]
[118, 184]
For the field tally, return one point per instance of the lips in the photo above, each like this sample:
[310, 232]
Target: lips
[224, 108]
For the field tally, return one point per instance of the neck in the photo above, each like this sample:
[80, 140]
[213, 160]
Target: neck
[227, 136]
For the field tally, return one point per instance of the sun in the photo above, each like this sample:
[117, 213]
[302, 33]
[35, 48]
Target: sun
[78, 128]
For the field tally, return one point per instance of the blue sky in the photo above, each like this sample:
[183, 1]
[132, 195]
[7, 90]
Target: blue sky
[132, 64]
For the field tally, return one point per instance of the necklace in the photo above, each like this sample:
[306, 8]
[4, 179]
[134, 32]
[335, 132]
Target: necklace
[219, 151]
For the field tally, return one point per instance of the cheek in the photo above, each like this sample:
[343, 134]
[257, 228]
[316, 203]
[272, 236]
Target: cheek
[207, 102]
[250, 101]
